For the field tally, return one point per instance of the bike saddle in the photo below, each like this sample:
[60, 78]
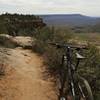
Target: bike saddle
[78, 56]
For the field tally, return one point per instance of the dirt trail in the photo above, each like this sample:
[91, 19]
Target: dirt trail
[24, 80]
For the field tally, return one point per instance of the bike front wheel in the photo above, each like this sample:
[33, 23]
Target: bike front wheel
[62, 98]
[84, 90]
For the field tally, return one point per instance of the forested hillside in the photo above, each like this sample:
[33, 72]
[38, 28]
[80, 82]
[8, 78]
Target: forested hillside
[15, 24]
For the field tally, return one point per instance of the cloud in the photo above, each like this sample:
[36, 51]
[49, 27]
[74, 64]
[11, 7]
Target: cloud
[89, 7]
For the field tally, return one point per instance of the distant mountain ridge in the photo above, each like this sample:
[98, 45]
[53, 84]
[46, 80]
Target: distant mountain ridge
[69, 19]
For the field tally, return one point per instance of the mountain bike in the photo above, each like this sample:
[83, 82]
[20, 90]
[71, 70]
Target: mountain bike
[70, 84]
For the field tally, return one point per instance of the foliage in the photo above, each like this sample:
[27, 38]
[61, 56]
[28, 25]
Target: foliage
[46, 35]
[43, 34]
[53, 58]
[96, 27]
[87, 28]
[62, 35]
[15, 24]
[39, 47]
[90, 69]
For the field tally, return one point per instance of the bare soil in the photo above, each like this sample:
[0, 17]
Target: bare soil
[24, 78]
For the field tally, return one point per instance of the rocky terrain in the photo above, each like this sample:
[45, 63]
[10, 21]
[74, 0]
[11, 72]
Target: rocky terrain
[22, 72]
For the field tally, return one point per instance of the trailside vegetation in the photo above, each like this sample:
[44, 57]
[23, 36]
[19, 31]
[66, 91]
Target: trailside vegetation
[89, 68]
[18, 24]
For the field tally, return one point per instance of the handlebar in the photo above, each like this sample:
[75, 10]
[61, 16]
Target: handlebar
[77, 47]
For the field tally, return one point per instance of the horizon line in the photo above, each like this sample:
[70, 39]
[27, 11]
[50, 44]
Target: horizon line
[50, 14]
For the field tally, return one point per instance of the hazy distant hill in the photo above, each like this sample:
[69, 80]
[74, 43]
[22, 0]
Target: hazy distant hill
[69, 19]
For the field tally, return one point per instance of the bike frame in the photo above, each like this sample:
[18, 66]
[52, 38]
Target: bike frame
[70, 71]
[68, 75]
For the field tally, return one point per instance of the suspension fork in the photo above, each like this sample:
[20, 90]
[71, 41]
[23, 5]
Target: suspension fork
[63, 73]
[71, 83]
[70, 73]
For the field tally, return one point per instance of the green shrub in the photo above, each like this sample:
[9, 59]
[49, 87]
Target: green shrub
[43, 34]
[53, 58]
[39, 47]
[89, 68]
[62, 35]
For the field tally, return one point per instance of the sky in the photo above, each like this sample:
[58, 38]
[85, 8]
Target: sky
[86, 7]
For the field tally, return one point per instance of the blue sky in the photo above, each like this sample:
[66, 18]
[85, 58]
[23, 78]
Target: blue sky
[86, 7]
